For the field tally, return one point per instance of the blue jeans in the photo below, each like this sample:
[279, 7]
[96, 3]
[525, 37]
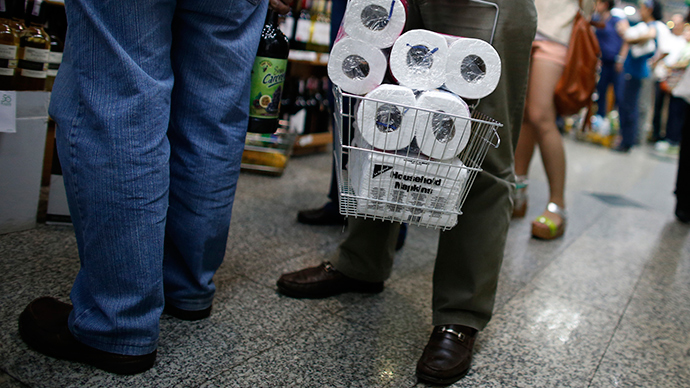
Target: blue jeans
[629, 111]
[608, 76]
[151, 107]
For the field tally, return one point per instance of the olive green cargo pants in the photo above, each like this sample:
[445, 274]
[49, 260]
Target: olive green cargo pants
[469, 256]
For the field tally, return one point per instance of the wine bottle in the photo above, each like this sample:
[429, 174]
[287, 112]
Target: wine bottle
[303, 27]
[34, 50]
[287, 24]
[9, 45]
[18, 7]
[320, 31]
[268, 77]
[56, 28]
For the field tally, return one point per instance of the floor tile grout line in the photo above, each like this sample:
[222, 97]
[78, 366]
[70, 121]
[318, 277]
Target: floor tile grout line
[615, 330]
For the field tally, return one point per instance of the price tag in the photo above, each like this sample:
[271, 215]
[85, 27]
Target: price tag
[8, 111]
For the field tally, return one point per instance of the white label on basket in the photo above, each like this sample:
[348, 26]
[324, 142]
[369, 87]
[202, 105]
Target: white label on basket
[407, 190]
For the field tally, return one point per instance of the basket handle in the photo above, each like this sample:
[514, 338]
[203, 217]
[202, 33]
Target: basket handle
[494, 134]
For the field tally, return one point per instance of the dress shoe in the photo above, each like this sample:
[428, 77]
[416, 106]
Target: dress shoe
[187, 315]
[325, 215]
[43, 326]
[321, 282]
[448, 355]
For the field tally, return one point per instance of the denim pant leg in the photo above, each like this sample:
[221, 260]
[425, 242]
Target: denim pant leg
[629, 111]
[606, 78]
[111, 103]
[214, 44]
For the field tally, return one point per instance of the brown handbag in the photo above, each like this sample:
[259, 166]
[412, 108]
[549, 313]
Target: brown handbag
[576, 85]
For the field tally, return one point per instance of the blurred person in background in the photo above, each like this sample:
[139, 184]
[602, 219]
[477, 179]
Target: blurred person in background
[669, 111]
[641, 40]
[613, 49]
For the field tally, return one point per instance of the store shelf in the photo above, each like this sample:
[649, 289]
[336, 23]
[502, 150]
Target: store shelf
[312, 143]
[308, 57]
[267, 154]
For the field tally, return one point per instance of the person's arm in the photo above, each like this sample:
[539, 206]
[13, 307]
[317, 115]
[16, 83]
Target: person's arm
[282, 6]
[651, 34]
[621, 26]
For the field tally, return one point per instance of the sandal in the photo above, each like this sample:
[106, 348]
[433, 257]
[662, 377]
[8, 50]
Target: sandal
[544, 228]
[520, 197]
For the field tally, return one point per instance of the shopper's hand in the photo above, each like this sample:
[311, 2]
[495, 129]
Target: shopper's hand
[619, 67]
[282, 6]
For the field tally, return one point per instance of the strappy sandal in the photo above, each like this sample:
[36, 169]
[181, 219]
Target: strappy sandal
[520, 197]
[544, 228]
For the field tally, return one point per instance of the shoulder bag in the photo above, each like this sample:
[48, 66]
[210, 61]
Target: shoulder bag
[576, 85]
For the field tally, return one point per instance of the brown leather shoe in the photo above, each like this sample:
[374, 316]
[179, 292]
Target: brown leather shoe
[321, 282]
[448, 355]
[43, 326]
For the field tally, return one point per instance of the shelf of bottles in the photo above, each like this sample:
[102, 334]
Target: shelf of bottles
[32, 37]
[305, 102]
[304, 118]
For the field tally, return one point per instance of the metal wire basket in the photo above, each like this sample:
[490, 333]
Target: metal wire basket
[405, 185]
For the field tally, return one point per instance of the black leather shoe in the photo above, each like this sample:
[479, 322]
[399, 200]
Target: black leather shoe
[448, 355]
[43, 326]
[324, 215]
[321, 282]
[187, 315]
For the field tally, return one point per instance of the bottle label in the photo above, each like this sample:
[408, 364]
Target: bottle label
[303, 30]
[287, 25]
[6, 71]
[54, 58]
[36, 55]
[8, 51]
[322, 34]
[268, 76]
[33, 73]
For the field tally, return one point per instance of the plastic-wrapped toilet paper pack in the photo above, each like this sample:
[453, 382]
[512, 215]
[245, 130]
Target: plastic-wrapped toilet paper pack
[378, 22]
[418, 59]
[408, 184]
[385, 124]
[473, 68]
[442, 136]
[355, 66]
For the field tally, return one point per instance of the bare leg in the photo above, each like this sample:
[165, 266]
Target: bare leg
[539, 127]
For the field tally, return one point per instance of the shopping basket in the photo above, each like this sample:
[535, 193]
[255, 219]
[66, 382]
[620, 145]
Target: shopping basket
[405, 185]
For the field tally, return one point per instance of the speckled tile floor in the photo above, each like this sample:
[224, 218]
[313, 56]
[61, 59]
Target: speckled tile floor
[605, 306]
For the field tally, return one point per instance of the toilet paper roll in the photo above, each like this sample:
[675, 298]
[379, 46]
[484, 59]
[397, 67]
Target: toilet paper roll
[384, 124]
[473, 68]
[407, 189]
[378, 22]
[418, 59]
[355, 66]
[439, 135]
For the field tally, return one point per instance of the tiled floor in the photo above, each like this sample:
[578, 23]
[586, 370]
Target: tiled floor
[605, 306]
